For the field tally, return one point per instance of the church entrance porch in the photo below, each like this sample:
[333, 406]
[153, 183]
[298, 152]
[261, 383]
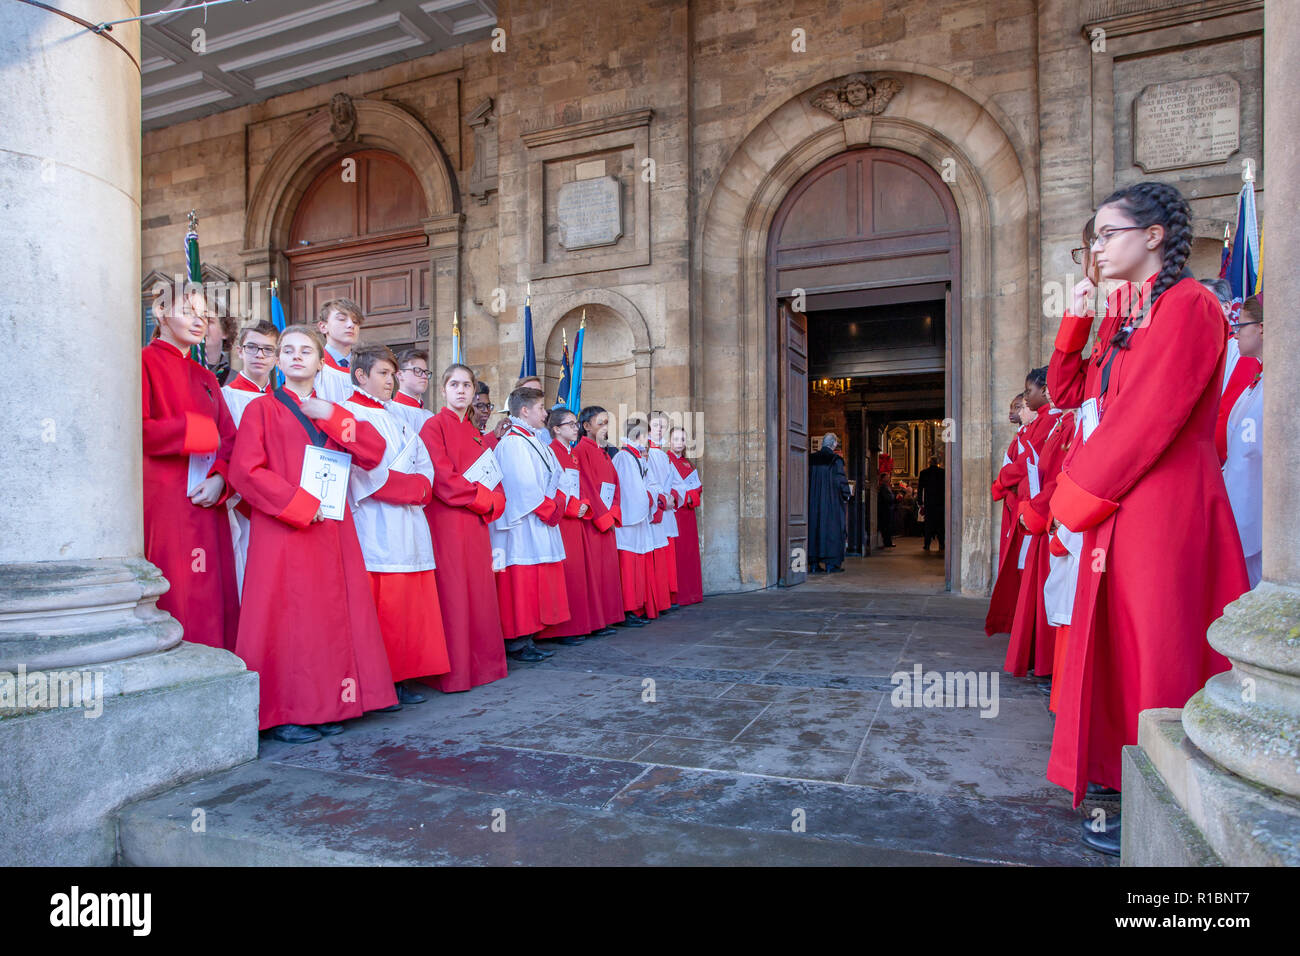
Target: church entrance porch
[752, 729]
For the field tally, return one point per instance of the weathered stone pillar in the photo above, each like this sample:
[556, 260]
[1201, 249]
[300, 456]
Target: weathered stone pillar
[1222, 785]
[137, 709]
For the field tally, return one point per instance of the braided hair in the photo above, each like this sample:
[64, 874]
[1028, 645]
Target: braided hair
[1157, 204]
[1038, 376]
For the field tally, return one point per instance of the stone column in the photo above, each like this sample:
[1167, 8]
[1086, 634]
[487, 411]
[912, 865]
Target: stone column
[1229, 790]
[75, 591]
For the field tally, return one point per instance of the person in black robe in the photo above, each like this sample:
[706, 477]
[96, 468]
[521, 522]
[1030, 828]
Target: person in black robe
[828, 490]
[929, 496]
[885, 511]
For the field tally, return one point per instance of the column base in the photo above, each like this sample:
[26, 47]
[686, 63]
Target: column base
[180, 714]
[1183, 809]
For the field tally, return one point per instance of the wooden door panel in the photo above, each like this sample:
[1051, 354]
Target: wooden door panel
[794, 446]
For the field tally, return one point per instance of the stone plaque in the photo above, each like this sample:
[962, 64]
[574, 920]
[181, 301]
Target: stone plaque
[1188, 123]
[589, 212]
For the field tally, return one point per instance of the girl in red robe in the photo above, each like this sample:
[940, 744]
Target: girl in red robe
[1160, 556]
[1010, 507]
[185, 534]
[690, 578]
[459, 515]
[600, 489]
[586, 615]
[308, 626]
[1035, 414]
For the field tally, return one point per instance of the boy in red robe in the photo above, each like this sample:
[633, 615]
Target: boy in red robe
[458, 516]
[339, 321]
[188, 436]
[600, 489]
[308, 626]
[1010, 507]
[412, 379]
[690, 579]
[586, 615]
[645, 594]
[387, 504]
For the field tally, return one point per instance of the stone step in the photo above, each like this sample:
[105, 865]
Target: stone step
[271, 814]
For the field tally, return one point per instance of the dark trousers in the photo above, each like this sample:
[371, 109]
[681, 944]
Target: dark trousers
[933, 529]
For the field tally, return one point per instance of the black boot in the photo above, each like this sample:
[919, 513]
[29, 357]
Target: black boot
[1105, 840]
[294, 734]
[407, 696]
[329, 730]
[631, 620]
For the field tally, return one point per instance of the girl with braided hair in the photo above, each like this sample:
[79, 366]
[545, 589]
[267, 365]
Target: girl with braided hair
[1160, 555]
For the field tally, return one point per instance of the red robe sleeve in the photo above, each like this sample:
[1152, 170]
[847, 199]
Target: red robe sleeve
[450, 488]
[404, 489]
[226, 432]
[253, 478]
[358, 438]
[1165, 372]
[190, 433]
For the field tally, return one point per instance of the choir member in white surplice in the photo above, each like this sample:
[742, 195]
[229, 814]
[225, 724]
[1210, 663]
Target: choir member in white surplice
[339, 320]
[1243, 472]
[634, 538]
[257, 348]
[387, 504]
[527, 547]
[673, 488]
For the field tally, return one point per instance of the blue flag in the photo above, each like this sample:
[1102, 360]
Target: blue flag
[575, 385]
[1243, 268]
[562, 393]
[529, 365]
[277, 319]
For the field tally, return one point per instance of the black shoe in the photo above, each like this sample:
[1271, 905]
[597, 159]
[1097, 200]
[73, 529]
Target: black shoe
[603, 632]
[294, 734]
[329, 730]
[407, 696]
[1097, 790]
[835, 571]
[540, 650]
[675, 607]
[1045, 688]
[390, 709]
[631, 620]
[570, 641]
[1107, 840]
[528, 654]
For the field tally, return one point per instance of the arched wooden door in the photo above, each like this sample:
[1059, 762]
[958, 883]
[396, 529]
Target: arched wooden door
[864, 228]
[362, 238]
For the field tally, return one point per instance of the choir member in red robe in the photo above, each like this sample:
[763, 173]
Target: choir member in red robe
[308, 626]
[587, 617]
[387, 504]
[600, 489]
[1021, 476]
[1010, 507]
[690, 578]
[257, 346]
[644, 593]
[526, 539]
[1033, 639]
[480, 411]
[1151, 581]
[1239, 370]
[458, 519]
[669, 483]
[339, 321]
[188, 436]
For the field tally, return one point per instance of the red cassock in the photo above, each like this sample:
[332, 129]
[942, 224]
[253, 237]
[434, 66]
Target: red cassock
[401, 398]
[185, 414]
[1161, 556]
[1033, 640]
[458, 517]
[596, 470]
[1006, 588]
[1239, 379]
[308, 625]
[585, 611]
[690, 578]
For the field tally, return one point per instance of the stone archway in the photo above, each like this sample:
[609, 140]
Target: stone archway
[311, 147]
[932, 118]
[617, 308]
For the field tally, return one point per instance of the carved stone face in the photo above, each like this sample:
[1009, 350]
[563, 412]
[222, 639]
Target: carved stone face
[856, 93]
[339, 109]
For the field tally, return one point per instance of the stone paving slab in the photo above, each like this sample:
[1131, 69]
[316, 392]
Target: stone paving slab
[689, 741]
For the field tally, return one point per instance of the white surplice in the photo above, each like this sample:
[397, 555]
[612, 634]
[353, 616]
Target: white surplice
[1243, 475]
[529, 474]
[634, 534]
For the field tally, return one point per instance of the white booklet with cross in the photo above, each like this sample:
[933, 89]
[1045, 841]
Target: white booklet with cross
[325, 475]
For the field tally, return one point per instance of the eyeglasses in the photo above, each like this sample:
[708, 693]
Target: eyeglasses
[1077, 254]
[1104, 236]
[1237, 325]
[418, 372]
[265, 351]
[484, 406]
[572, 421]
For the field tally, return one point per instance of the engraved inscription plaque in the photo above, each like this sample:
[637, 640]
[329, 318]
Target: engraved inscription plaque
[1187, 123]
[589, 212]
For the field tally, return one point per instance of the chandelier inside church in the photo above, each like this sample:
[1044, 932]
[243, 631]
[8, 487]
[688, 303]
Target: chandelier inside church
[831, 386]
